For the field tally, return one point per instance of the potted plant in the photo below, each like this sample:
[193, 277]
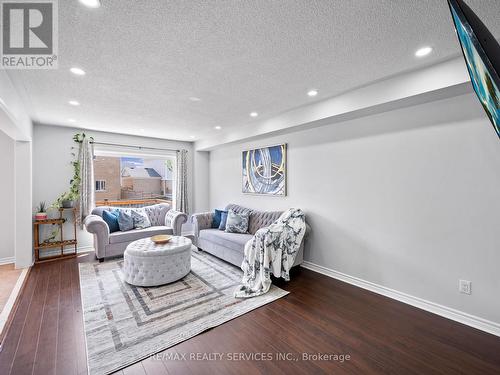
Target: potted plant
[69, 198]
[41, 213]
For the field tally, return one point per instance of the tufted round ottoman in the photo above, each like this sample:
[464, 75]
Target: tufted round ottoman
[148, 264]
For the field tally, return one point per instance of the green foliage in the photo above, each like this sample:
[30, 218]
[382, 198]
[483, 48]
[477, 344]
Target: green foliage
[170, 165]
[41, 208]
[74, 184]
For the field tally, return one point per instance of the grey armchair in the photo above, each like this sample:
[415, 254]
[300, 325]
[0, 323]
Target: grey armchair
[106, 244]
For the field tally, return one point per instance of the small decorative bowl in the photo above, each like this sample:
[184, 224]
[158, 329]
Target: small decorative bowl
[161, 239]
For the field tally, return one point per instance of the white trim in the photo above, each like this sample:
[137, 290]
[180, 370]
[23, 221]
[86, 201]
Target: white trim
[447, 312]
[9, 305]
[84, 249]
[7, 260]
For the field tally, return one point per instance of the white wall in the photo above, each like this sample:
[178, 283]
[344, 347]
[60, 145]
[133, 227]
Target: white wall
[407, 199]
[7, 226]
[23, 204]
[52, 155]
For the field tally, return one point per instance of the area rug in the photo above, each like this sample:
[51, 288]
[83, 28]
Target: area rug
[124, 323]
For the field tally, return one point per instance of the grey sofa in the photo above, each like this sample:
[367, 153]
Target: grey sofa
[163, 221]
[231, 246]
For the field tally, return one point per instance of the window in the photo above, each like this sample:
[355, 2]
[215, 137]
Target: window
[133, 180]
[100, 185]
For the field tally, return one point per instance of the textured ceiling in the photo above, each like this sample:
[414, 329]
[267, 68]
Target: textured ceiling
[144, 59]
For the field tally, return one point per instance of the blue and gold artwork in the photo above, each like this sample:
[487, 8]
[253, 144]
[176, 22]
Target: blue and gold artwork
[264, 171]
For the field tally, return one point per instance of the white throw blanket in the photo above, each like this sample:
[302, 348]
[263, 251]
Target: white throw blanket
[271, 250]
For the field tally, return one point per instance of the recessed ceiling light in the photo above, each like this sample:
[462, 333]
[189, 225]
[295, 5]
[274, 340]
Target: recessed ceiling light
[254, 114]
[141, 130]
[424, 51]
[74, 102]
[71, 120]
[77, 71]
[194, 99]
[192, 137]
[312, 93]
[218, 128]
[91, 3]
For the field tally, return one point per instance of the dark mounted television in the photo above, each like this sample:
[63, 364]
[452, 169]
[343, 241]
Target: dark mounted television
[482, 56]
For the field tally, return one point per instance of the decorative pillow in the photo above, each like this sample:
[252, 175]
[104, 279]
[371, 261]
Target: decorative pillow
[237, 222]
[216, 218]
[141, 219]
[223, 220]
[111, 218]
[125, 221]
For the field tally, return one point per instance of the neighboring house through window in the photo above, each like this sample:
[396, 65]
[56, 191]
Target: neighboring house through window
[122, 179]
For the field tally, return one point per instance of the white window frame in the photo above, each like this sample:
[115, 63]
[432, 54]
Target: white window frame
[119, 152]
[100, 182]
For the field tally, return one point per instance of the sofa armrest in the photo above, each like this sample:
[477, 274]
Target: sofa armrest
[175, 219]
[98, 227]
[201, 221]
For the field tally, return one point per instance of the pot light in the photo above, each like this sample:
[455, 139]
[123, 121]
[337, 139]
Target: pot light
[312, 93]
[91, 3]
[194, 99]
[254, 114]
[71, 120]
[141, 130]
[74, 102]
[77, 71]
[424, 51]
[218, 128]
[192, 137]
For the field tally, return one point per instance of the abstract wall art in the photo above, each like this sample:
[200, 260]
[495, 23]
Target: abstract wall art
[264, 170]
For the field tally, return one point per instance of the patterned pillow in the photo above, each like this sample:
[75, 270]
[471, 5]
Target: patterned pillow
[125, 221]
[141, 219]
[237, 222]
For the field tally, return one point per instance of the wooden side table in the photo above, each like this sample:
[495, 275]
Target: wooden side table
[55, 244]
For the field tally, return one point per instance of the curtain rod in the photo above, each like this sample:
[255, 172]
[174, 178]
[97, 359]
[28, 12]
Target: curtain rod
[139, 147]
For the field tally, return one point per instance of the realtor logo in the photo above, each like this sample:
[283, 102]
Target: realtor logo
[29, 34]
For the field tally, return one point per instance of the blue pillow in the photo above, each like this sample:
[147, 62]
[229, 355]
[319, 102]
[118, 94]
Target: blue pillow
[216, 218]
[111, 218]
[125, 221]
[223, 219]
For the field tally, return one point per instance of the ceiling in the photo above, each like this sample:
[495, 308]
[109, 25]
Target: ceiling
[145, 59]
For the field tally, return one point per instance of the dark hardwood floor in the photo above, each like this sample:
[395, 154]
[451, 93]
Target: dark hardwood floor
[320, 315]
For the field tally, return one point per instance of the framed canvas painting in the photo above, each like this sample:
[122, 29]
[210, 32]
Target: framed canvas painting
[264, 171]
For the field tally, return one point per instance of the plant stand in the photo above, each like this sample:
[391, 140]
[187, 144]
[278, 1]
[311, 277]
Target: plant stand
[55, 244]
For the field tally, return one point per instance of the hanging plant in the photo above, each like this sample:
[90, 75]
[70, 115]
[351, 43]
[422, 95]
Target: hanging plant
[68, 198]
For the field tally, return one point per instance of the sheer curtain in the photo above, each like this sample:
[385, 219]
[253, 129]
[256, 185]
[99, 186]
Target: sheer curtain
[181, 193]
[87, 200]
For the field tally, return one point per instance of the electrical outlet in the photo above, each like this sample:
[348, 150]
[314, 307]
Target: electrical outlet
[465, 286]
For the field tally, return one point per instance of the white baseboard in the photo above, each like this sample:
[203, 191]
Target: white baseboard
[7, 260]
[447, 312]
[84, 249]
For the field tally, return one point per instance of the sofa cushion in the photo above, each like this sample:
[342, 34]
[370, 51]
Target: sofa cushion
[156, 213]
[125, 221]
[135, 234]
[261, 219]
[237, 222]
[223, 221]
[258, 219]
[233, 241]
[141, 218]
[216, 218]
[111, 218]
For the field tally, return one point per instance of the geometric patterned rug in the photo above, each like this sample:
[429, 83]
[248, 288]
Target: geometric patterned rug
[125, 324]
